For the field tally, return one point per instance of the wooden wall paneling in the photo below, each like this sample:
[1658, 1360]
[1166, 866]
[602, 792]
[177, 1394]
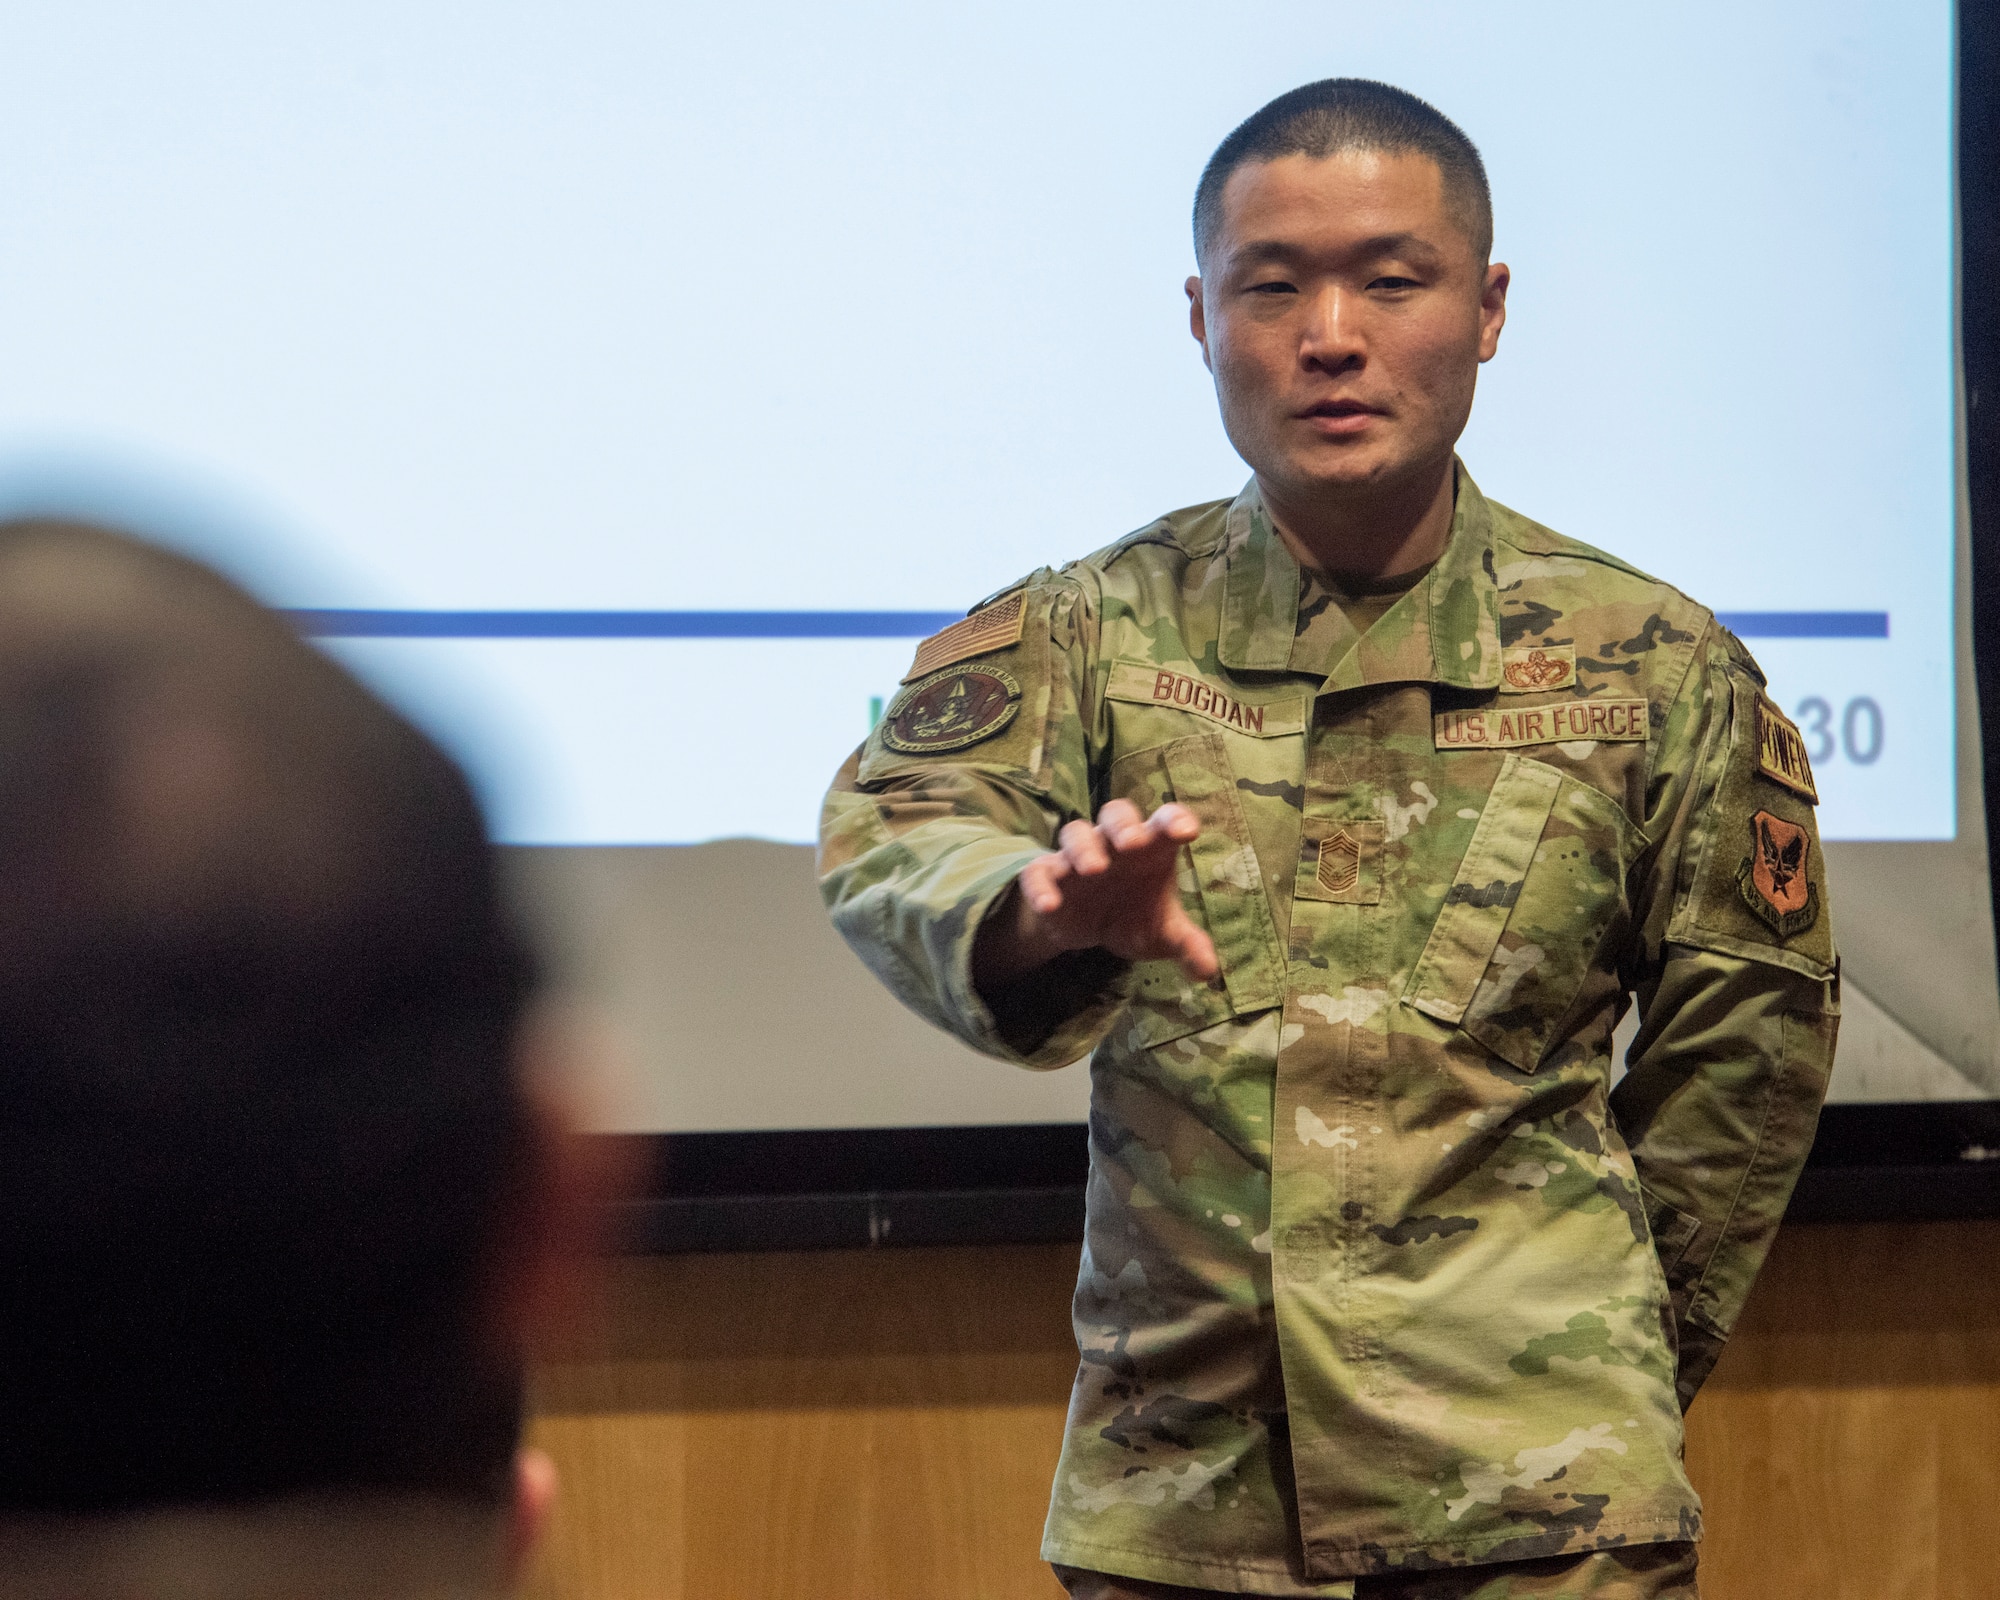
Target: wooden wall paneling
[1848, 1446]
[874, 1425]
[884, 1425]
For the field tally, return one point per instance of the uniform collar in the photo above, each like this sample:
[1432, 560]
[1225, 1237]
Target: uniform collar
[1445, 630]
[1260, 594]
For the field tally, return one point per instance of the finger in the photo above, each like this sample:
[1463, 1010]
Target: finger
[1191, 946]
[1198, 961]
[1135, 836]
[1041, 881]
[1119, 818]
[1085, 848]
[1155, 842]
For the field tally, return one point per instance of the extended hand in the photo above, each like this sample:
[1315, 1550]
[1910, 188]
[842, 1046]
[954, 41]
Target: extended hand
[1110, 885]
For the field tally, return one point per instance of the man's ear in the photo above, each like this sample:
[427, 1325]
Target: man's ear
[556, 1233]
[1493, 308]
[528, 1517]
[549, 1256]
[1198, 320]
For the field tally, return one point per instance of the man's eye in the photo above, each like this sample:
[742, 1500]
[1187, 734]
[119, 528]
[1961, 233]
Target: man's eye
[1276, 287]
[1395, 283]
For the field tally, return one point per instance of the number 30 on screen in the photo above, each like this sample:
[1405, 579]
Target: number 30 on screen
[1860, 728]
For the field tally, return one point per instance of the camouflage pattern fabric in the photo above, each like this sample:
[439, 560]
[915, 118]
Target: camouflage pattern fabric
[1381, 1274]
[1630, 1572]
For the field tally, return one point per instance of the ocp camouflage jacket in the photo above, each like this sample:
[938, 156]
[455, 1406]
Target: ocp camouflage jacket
[1381, 1272]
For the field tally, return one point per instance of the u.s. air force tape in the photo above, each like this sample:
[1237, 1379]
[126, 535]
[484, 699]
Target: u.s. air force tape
[1614, 721]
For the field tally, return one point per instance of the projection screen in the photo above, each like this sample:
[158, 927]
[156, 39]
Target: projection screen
[625, 388]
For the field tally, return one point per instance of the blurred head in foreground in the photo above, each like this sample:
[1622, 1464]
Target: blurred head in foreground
[279, 1202]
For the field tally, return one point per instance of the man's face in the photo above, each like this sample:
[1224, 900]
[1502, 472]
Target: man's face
[1344, 316]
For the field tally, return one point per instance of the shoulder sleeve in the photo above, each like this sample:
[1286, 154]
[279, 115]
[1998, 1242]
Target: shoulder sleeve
[1738, 995]
[978, 761]
[1753, 874]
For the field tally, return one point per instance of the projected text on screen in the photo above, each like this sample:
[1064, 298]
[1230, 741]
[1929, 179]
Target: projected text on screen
[634, 386]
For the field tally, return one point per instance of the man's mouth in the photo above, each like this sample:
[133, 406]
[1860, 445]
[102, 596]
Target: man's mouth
[1337, 417]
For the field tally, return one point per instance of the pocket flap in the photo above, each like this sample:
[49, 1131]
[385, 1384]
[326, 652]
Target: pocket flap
[1476, 908]
[1227, 874]
[1673, 1229]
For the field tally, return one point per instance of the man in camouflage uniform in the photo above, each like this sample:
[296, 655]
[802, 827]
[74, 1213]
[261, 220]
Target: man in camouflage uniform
[1399, 796]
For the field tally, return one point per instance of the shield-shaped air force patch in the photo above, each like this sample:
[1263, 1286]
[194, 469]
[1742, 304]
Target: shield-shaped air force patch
[1772, 879]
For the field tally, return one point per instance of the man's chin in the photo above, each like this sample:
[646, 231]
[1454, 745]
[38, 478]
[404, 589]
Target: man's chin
[1327, 475]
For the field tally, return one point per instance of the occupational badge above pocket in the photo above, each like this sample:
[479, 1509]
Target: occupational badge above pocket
[1536, 669]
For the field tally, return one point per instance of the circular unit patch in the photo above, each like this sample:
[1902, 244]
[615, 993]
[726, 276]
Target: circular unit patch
[951, 709]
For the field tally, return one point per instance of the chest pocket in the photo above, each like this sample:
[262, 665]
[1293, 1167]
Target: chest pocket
[1222, 887]
[1540, 883]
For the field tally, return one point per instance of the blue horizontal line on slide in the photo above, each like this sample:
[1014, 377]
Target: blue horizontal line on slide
[857, 624]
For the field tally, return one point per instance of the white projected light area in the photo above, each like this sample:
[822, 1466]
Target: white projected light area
[562, 347]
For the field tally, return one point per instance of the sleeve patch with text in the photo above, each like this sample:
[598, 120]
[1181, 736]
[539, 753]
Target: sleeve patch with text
[1781, 751]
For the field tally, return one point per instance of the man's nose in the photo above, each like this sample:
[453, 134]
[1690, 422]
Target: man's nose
[1332, 337]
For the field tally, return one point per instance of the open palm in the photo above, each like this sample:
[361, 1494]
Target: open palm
[1107, 885]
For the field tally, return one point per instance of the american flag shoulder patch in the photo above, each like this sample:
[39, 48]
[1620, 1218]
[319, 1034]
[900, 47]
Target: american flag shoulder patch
[994, 627]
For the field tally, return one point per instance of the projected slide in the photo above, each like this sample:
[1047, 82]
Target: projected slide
[630, 386]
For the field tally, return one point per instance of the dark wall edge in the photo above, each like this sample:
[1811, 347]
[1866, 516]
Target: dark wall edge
[874, 1188]
[1979, 327]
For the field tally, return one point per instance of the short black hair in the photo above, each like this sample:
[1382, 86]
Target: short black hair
[1335, 114]
[260, 1128]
